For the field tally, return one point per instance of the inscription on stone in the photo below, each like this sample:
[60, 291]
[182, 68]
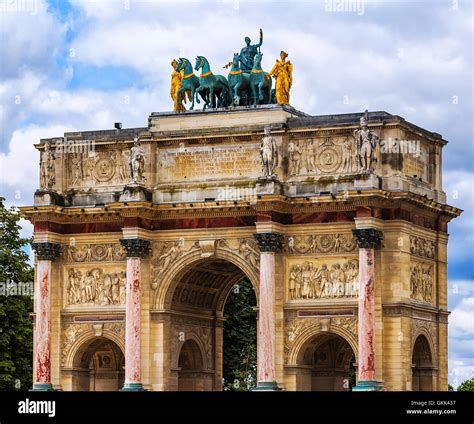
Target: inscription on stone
[198, 163]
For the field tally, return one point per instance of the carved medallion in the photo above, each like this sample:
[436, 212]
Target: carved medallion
[104, 169]
[329, 160]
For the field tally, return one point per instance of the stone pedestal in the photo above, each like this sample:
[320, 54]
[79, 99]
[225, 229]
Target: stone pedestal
[135, 249]
[268, 185]
[366, 182]
[46, 253]
[368, 240]
[135, 193]
[270, 244]
[47, 198]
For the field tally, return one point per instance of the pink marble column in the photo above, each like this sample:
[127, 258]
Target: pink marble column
[136, 249]
[45, 253]
[368, 240]
[270, 244]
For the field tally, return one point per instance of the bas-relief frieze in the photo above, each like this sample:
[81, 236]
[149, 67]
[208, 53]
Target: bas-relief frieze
[321, 243]
[89, 252]
[322, 279]
[335, 155]
[92, 168]
[421, 281]
[422, 247]
[95, 286]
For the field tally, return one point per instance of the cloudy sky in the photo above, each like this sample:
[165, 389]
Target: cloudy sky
[81, 65]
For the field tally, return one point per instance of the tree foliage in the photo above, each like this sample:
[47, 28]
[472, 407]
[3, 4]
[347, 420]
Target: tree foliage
[16, 330]
[240, 338]
[467, 386]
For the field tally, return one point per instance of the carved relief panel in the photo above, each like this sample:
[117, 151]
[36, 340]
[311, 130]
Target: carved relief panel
[422, 247]
[421, 281]
[87, 252]
[333, 155]
[92, 168]
[320, 243]
[94, 286]
[322, 278]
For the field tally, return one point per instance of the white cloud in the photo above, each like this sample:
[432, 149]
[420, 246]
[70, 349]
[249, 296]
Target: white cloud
[459, 370]
[461, 319]
[30, 40]
[19, 168]
[461, 332]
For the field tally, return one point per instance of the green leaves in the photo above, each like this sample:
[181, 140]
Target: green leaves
[467, 386]
[240, 338]
[16, 329]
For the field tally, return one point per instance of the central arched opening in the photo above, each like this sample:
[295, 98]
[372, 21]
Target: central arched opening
[99, 365]
[327, 363]
[213, 328]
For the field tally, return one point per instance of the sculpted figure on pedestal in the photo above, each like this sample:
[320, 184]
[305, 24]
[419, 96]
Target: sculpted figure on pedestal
[269, 154]
[47, 168]
[137, 163]
[366, 143]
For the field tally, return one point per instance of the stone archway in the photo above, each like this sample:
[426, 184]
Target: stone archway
[195, 301]
[326, 362]
[98, 365]
[424, 373]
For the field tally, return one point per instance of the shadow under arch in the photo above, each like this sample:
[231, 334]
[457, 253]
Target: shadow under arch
[98, 365]
[324, 360]
[170, 279]
[192, 364]
[192, 294]
[424, 370]
[88, 336]
[298, 347]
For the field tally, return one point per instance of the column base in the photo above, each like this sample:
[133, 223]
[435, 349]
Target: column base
[368, 386]
[267, 386]
[133, 387]
[42, 387]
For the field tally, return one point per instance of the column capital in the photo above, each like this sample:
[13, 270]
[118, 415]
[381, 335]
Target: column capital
[269, 242]
[46, 251]
[368, 238]
[135, 247]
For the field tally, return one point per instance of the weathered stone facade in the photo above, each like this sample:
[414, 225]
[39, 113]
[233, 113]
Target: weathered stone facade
[330, 243]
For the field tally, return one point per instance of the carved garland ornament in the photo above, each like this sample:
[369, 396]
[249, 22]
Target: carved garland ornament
[94, 252]
[322, 243]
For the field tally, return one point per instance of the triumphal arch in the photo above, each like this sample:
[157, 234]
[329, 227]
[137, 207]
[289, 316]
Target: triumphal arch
[338, 221]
